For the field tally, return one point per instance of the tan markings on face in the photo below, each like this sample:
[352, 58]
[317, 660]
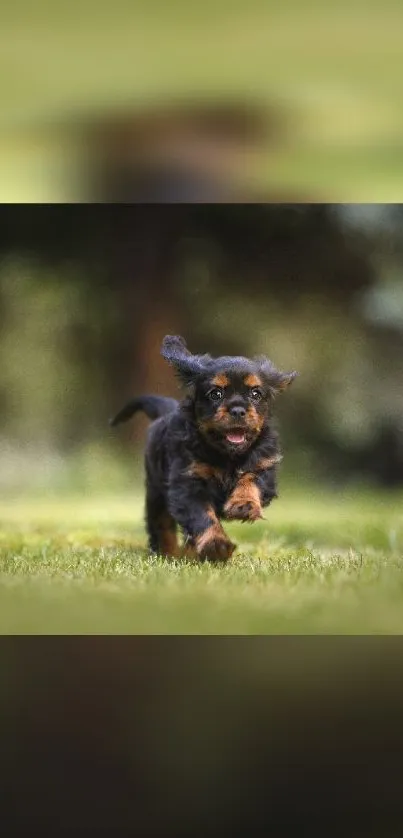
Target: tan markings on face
[268, 462]
[204, 471]
[220, 380]
[221, 417]
[221, 414]
[254, 420]
[168, 542]
[245, 494]
[253, 380]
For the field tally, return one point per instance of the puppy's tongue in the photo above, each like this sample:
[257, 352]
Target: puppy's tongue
[236, 437]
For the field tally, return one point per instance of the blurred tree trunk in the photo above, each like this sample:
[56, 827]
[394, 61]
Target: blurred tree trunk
[141, 264]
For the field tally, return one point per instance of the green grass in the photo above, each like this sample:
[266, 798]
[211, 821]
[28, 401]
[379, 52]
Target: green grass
[329, 563]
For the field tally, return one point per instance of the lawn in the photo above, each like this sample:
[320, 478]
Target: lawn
[320, 562]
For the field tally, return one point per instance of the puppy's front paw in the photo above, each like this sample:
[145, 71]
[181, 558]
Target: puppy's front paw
[247, 511]
[215, 549]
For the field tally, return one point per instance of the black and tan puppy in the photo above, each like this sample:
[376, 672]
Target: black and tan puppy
[212, 455]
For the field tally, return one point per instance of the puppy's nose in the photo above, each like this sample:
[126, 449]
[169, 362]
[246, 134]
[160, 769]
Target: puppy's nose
[237, 412]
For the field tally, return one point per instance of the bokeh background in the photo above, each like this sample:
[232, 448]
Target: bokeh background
[160, 736]
[260, 98]
[169, 102]
[88, 292]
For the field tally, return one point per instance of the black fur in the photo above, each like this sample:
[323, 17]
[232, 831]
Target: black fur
[212, 455]
[152, 406]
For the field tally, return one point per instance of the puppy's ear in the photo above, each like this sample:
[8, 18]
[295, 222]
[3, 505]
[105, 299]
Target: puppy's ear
[278, 381]
[187, 366]
[284, 379]
[172, 346]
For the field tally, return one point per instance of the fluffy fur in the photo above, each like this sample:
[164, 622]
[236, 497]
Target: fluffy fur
[212, 455]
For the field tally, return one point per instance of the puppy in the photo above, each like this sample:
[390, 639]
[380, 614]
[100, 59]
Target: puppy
[212, 455]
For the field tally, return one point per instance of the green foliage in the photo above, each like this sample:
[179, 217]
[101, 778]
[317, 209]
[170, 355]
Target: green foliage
[53, 380]
[45, 322]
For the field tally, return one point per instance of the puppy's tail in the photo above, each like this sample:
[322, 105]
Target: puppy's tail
[152, 406]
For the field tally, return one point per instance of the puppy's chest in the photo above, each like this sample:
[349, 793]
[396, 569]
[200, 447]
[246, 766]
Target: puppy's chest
[221, 482]
[227, 481]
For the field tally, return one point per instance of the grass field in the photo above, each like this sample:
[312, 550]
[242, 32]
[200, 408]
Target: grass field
[320, 562]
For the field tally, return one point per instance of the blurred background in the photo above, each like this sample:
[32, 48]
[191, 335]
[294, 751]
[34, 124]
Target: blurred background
[233, 108]
[88, 292]
[158, 736]
[257, 100]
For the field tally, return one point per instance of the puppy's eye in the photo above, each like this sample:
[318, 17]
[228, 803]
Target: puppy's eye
[216, 395]
[256, 394]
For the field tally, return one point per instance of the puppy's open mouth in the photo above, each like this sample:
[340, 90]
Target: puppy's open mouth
[236, 437]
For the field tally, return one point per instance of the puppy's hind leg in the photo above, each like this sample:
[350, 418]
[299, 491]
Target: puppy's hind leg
[161, 527]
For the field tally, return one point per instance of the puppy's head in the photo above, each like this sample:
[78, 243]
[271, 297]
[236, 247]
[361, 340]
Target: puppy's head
[232, 396]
